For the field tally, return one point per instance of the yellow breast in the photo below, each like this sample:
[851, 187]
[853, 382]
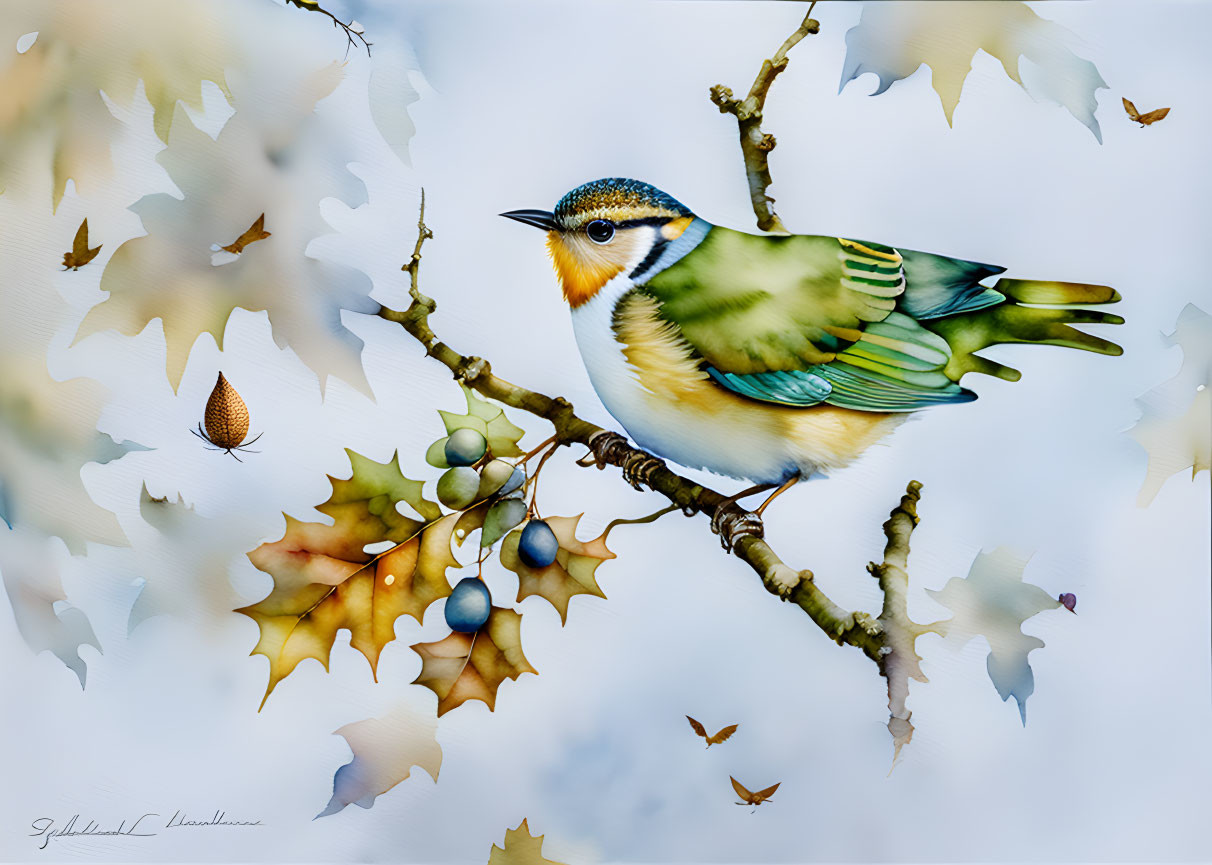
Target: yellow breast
[717, 426]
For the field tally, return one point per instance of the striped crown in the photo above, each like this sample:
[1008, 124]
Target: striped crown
[618, 200]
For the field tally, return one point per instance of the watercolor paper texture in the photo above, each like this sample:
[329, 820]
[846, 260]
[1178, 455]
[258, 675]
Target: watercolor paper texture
[306, 552]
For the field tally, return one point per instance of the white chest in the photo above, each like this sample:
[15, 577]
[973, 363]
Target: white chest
[670, 407]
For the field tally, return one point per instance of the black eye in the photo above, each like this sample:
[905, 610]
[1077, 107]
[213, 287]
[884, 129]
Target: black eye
[600, 231]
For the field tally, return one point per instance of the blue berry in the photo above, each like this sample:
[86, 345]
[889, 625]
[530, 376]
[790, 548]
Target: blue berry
[468, 606]
[465, 447]
[538, 545]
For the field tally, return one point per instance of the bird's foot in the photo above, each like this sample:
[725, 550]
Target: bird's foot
[732, 523]
[605, 447]
[638, 467]
[610, 448]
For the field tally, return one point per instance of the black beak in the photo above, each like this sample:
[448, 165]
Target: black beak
[538, 218]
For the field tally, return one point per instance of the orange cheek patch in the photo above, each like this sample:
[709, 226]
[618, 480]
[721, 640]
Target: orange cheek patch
[580, 278]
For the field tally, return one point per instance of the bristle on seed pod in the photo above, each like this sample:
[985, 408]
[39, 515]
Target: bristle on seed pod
[226, 419]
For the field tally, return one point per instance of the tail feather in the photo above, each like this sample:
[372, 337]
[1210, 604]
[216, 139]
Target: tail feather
[1047, 322]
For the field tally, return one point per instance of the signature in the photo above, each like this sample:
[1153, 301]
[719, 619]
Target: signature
[145, 826]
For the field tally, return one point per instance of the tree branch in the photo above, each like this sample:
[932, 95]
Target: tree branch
[899, 661]
[756, 144]
[351, 33]
[640, 467]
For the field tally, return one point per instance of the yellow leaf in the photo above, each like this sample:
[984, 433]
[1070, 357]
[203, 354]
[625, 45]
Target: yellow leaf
[572, 573]
[466, 667]
[324, 580]
[521, 848]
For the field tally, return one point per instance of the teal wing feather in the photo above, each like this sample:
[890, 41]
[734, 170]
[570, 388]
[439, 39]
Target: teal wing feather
[937, 285]
[805, 320]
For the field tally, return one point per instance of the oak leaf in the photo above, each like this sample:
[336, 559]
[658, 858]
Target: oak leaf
[324, 580]
[572, 573]
[80, 254]
[994, 602]
[384, 751]
[485, 418]
[466, 667]
[1174, 428]
[722, 736]
[48, 431]
[893, 40]
[520, 848]
[279, 159]
[53, 94]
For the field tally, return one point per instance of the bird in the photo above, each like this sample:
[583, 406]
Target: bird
[776, 358]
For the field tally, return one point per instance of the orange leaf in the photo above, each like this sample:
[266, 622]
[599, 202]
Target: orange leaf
[466, 667]
[324, 580]
[572, 573]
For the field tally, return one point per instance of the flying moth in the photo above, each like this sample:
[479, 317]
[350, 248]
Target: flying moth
[80, 254]
[722, 736]
[255, 232]
[1148, 117]
[753, 799]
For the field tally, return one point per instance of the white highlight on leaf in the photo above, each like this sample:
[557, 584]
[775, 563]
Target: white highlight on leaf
[26, 42]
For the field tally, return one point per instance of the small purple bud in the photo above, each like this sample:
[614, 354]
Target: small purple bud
[1069, 601]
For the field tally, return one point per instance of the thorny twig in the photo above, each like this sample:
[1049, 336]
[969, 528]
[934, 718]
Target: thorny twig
[350, 33]
[756, 144]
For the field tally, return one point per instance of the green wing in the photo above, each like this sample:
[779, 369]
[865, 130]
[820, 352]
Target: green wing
[801, 320]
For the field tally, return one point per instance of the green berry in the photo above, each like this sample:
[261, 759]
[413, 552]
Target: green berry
[465, 447]
[457, 487]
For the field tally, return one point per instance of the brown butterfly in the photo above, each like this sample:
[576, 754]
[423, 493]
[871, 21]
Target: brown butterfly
[80, 254]
[1144, 119]
[722, 736]
[753, 799]
[255, 232]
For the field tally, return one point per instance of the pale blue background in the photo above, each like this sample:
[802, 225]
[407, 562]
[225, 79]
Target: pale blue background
[519, 102]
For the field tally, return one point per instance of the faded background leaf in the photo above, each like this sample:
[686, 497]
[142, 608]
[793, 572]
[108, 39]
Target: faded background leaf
[1175, 427]
[51, 103]
[275, 155]
[893, 39]
[384, 752]
[1042, 464]
[993, 602]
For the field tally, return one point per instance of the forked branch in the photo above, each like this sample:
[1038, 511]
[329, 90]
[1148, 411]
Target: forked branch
[756, 144]
[640, 468]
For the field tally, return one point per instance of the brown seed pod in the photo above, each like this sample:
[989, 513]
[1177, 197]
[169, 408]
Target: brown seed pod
[226, 419]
